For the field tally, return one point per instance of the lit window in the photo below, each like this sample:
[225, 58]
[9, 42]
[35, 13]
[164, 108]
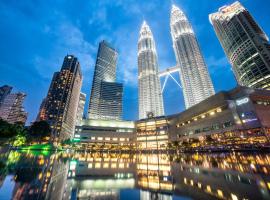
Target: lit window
[100, 138]
[107, 139]
[114, 139]
[93, 138]
[97, 165]
[122, 139]
[90, 165]
[105, 165]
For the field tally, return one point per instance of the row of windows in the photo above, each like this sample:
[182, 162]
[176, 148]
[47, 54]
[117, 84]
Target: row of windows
[206, 129]
[201, 116]
[106, 138]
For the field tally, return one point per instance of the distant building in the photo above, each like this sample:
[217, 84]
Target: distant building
[4, 91]
[195, 78]
[12, 110]
[150, 96]
[62, 99]
[80, 108]
[111, 98]
[105, 71]
[42, 112]
[245, 44]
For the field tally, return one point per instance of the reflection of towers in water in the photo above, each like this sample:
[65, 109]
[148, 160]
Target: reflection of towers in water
[39, 178]
[154, 175]
[146, 195]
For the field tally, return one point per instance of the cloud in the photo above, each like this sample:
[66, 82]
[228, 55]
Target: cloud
[216, 64]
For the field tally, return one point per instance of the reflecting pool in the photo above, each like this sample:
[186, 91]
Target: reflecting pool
[42, 175]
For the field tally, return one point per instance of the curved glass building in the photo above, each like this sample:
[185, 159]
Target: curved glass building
[245, 44]
[194, 75]
[150, 96]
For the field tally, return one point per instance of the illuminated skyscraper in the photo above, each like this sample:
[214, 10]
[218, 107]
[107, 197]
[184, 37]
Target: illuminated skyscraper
[62, 99]
[105, 72]
[194, 75]
[150, 96]
[245, 44]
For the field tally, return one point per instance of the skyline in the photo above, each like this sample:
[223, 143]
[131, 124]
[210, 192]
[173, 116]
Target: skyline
[82, 46]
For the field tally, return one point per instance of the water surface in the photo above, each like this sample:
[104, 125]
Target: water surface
[41, 175]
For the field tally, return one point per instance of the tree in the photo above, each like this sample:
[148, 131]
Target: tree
[40, 129]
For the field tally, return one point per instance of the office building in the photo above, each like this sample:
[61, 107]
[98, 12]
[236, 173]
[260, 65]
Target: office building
[150, 96]
[105, 71]
[111, 98]
[62, 99]
[12, 109]
[80, 108]
[195, 79]
[245, 44]
[4, 91]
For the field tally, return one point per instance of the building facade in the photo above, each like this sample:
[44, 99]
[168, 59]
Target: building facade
[111, 97]
[12, 110]
[195, 79]
[105, 71]
[245, 44]
[105, 134]
[42, 111]
[80, 108]
[150, 96]
[4, 91]
[62, 99]
[152, 133]
[234, 119]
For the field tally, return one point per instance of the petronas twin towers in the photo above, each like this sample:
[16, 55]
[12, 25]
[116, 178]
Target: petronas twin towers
[194, 75]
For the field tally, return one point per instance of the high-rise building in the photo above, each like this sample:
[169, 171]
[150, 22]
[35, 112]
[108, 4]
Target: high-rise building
[104, 74]
[80, 108]
[4, 91]
[245, 44]
[62, 99]
[12, 109]
[42, 112]
[111, 98]
[194, 75]
[150, 96]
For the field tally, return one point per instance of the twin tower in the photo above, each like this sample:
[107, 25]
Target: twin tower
[194, 75]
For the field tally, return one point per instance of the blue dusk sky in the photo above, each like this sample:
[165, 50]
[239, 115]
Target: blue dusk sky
[35, 35]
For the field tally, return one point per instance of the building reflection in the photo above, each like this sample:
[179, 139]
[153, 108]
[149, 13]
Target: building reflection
[65, 176]
[223, 176]
[99, 176]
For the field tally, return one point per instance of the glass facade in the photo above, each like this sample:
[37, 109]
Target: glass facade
[105, 71]
[150, 96]
[194, 75]
[245, 44]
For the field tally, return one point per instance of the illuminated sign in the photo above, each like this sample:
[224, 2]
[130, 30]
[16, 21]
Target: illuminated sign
[242, 101]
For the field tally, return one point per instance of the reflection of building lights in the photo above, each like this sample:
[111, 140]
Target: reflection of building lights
[185, 180]
[199, 185]
[208, 188]
[234, 197]
[220, 193]
[212, 113]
